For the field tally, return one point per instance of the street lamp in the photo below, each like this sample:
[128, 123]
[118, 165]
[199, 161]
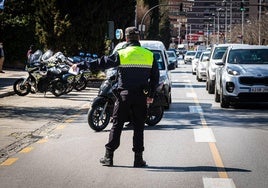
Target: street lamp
[260, 22]
[190, 34]
[207, 35]
[218, 33]
[186, 35]
[231, 18]
[224, 3]
[243, 17]
[214, 24]
[179, 32]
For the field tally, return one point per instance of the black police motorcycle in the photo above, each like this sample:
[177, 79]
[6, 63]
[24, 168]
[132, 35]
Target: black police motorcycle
[100, 113]
[45, 73]
[84, 75]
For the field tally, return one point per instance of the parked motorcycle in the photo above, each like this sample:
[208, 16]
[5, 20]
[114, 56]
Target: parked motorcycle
[83, 76]
[100, 113]
[45, 73]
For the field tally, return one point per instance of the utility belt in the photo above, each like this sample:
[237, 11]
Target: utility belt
[135, 90]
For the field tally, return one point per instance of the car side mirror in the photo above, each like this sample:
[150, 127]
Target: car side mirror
[205, 59]
[219, 63]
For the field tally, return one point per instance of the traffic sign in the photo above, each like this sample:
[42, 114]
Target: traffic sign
[119, 34]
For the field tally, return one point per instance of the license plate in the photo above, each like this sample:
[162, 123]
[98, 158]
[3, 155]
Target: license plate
[259, 90]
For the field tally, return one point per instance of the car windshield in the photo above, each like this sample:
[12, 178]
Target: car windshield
[171, 54]
[204, 56]
[190, 53]
[248, 56]
[198, 54]
[159, 58]
[219, 52]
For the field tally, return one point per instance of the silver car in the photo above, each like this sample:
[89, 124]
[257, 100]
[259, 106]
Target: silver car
[189, 56]
[216, 56]
[201, 73]
[243, 75]
[195, 61]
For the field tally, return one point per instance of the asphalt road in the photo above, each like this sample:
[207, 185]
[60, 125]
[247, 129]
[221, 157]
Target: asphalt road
[197, 144]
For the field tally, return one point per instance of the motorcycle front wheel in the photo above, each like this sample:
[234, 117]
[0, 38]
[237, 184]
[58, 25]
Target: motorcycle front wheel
[81, 84]
[155, 115]
[98, 116]
[58, 88]
[20, 88]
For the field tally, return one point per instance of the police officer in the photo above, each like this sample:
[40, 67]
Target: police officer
[137, 81]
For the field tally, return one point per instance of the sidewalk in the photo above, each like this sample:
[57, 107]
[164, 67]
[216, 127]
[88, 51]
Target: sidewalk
[7, 79]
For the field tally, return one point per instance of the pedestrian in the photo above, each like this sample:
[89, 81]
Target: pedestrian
[137, 81]
[29, 53]
[2, 57]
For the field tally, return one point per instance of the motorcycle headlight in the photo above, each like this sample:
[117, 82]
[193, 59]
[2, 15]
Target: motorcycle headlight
[110, 73]
[104, 85]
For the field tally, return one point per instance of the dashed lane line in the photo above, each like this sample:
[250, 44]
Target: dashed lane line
[224, 180]
[9, 161]
[26, 150]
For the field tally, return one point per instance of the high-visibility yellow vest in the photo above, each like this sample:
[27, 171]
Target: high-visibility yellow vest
[135, 56]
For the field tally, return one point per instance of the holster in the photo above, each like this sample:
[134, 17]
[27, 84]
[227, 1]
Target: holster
[146, 90]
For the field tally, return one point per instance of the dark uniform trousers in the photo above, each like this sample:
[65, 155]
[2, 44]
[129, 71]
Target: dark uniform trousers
[134, 101]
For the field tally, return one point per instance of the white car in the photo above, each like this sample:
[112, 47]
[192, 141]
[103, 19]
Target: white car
[243, 75]
[195, 61]
[216, 55]
[201, 73]
[188, 56]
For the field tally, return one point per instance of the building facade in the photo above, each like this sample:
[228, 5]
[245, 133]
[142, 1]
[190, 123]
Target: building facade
[211, 21]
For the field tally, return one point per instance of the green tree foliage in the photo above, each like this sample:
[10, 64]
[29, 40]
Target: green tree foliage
[63, 25]
[164, 30]
[51, 24]
[80, 25]
[153, 30]
[17, 30]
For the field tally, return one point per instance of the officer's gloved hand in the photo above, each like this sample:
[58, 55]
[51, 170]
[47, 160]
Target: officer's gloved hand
[83, 65]
[89, 64]
[74, 67]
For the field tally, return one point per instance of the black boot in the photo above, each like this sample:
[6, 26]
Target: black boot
[107, 160]
[138, 160]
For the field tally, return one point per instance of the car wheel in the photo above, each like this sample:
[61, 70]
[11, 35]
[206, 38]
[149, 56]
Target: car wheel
[217, 95]
[210, 87]
[169, 100]
[223, 100]
[197, 77]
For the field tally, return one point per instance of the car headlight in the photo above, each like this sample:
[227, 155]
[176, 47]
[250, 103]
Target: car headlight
[233, 72]
[162, 79]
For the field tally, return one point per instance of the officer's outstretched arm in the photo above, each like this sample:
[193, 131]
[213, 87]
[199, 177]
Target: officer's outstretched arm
[105, 62]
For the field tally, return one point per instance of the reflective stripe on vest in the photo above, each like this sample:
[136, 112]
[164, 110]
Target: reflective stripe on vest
[135, 56]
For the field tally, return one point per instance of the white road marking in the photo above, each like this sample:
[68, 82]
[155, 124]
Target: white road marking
[195, 109]
[204, 135]
[191, 95]
[218, 183]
